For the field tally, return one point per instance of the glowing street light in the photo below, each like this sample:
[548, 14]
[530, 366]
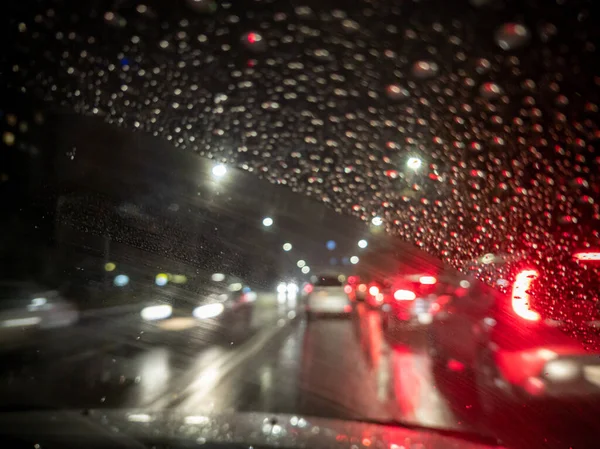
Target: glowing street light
[287, 246]
[267, 222]
[377, 221]
[300, 263]
[305, 269]
[363, 243]
[414, 163]
[354, 260]
[219, 171]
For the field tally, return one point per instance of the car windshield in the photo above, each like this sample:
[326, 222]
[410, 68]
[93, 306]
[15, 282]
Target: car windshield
[179, 178]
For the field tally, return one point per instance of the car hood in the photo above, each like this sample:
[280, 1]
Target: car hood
[133, 427]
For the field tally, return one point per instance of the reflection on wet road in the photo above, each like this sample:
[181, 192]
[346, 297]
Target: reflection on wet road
[274, 361]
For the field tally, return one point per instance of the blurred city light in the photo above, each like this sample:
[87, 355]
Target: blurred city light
[287, 246]
[362, 243]
[465, 284]
[377, 221]
[330, 245]
[341, 278]
[218, 277]
[196, 419]
[354, 260]
[282, 287]
[161, 279]
[219, 171]
[36, 303]
[160, 312]
[300, 263]
[139, 417]
[109, 266]
[414, 163]
[305, 269]
[121, 280]
[292, 288]
[235, 287]
[178, 279]
[208, 311]
[267, 222]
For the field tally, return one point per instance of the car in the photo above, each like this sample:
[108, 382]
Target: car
[407, 301]
[513, 353]
[27, 308]
[327, 297]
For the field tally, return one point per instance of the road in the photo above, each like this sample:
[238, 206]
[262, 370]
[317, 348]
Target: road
[275, 361]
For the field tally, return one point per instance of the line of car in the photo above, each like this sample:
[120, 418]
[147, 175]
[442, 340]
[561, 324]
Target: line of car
[513, 354]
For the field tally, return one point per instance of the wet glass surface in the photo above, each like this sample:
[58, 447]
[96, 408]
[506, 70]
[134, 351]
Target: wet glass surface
[177, 177]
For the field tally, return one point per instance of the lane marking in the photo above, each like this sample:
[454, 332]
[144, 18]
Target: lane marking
[197, 385]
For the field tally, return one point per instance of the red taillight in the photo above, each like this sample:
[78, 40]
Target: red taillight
[520, 295]
[427, 280]
[587, 255]
[347, 289]
[352, 280]
[404, 295]
[373, 290]
[252, 38]
[362, 288]
[308, 288]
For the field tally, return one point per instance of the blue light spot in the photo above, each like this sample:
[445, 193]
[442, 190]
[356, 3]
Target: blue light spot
[121, 280]
[333, 261]
[345, 261]
[124, 62]
[330, 245]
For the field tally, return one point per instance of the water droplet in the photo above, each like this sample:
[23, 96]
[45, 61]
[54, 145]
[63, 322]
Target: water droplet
[511, 36]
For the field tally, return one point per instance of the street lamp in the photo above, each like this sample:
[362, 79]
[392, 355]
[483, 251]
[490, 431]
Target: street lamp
[219, 171]
[305, 269]
[287, 246]
[300, 263]
[362, 243]
[377, 221]
[354, 260]
[414, 163]
[267, 222]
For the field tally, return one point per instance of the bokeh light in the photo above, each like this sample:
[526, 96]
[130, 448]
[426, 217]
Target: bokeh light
[377, 221]
[414, 163]
[219, 171]
[161, 279]
[121, 280]
[110, 266]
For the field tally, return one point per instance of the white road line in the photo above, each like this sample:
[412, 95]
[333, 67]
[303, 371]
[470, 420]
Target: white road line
[198, 385]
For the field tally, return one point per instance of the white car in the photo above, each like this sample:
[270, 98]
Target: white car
[327, 297]
[26, 308]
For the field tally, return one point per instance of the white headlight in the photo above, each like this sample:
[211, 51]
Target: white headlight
[561, 370]
[281, 288]
[157, 312]
[208, 311]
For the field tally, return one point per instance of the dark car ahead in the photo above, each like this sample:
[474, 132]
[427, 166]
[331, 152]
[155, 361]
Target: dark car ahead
[514, 352]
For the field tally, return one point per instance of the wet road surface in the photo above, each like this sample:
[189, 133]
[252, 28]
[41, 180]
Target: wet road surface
[273, 360]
